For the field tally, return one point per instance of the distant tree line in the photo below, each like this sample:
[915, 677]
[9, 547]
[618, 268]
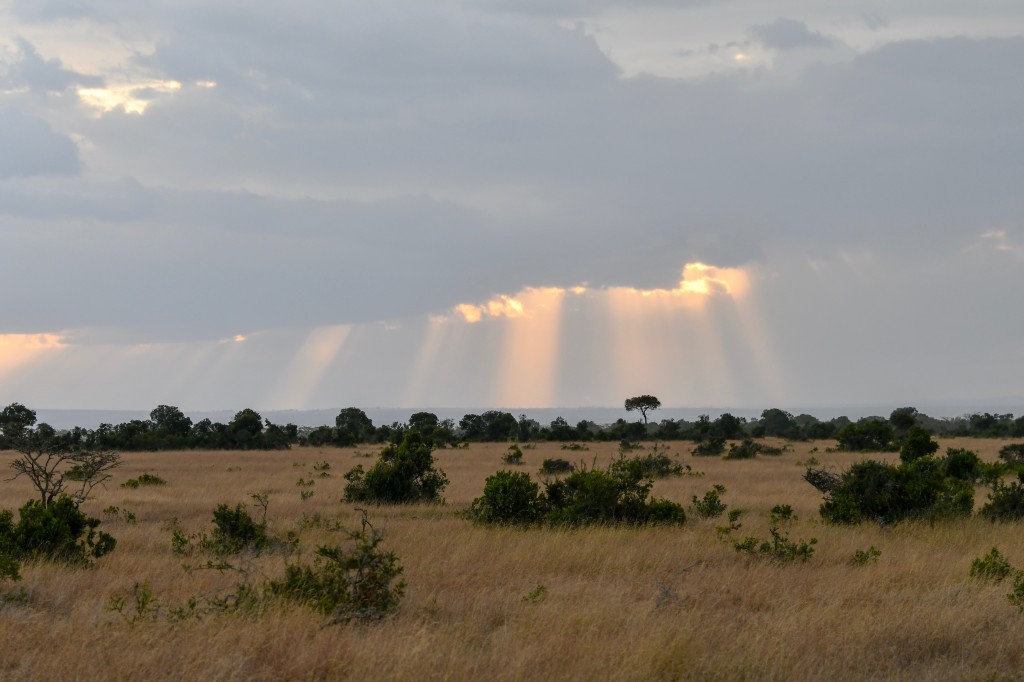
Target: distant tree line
[168, 428]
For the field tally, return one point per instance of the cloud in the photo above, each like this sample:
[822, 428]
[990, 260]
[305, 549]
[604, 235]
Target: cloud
[789, 34]
[26, 68]
[402, 160]
[31, 147]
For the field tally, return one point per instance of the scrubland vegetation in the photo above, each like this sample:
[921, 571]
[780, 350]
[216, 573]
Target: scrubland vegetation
[239, 565]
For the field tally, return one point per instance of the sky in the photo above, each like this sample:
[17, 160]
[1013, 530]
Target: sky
[511, 203]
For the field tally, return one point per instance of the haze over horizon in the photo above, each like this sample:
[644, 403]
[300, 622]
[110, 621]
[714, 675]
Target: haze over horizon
[745, 204]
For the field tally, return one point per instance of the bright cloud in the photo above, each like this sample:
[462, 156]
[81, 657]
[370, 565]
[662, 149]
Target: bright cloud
[699, 281]
[133, 98]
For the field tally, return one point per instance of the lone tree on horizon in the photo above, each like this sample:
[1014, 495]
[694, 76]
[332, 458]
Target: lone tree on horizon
[644, 403]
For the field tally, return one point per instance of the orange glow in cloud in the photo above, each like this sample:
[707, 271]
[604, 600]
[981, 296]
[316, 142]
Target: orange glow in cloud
[18, 349]
[500, 306]
[698, 281]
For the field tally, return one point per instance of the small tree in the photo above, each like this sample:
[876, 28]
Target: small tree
[643, 403]
[56, 468]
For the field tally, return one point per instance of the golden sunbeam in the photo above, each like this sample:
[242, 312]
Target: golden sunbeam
[307, 367]
[424, 367]
[529, 350]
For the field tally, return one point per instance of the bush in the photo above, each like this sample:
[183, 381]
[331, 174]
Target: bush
[779, 548]
[963, 464]
[58, 532]
[1016, 596]
[711, 506]
[647, 466]
[596, 496]
[584, 497]
[1005, 502]
[357, 584]
[1012, 454]
[916, 444]
[403, 474]
[514, 455]
[749, 448]
[712, 446]
[556, 466]
[9, 564]
[781, 513]
[143, 480]
[862, 557]
[871, 435]
[887, 493]
[993, 566]
[234, 531]
[509, 498]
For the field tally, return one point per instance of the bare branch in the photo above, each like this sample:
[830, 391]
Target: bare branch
[50, 465]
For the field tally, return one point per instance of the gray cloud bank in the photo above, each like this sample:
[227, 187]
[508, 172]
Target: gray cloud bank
[380, 161]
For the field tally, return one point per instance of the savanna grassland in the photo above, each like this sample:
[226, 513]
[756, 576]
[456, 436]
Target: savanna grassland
[501, 603]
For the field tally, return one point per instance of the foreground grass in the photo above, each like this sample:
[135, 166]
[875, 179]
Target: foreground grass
[649, 603]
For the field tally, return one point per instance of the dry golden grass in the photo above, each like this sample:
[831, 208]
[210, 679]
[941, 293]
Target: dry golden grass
[622, 604]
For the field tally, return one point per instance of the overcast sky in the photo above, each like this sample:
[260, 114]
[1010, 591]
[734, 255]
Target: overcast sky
[495, 203]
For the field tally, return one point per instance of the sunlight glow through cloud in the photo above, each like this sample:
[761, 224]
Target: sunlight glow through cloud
[19, 349]
[131, 97]
[698, 281]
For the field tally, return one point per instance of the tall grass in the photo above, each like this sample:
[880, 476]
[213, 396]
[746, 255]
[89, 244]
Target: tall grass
[649, 603]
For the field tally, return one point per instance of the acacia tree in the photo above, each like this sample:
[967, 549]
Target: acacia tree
[56, 468]
[643, 403]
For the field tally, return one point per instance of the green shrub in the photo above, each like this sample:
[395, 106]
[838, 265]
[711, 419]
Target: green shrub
[509, 498]
[58, 532]
[993, 566]
[143, 480]
[749, 448]
[888, 493]
[779, 548]
[711, 505]
[916, 444]
[584, 497]
[647, 466]
[862, 557]
[402, 474]
[514, 456]
[1016, 596]
[781, 513]
[9, 564]
[556, 466]
[1005, 502]
[963, 464]
[871, 435]
[1012, 454]
[234, 531]
[711, 446]
[360, 583]
[596, 496]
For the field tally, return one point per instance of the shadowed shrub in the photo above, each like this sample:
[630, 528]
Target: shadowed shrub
[403, 474]
[360, 583]
[58, 532]
[887, 493]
